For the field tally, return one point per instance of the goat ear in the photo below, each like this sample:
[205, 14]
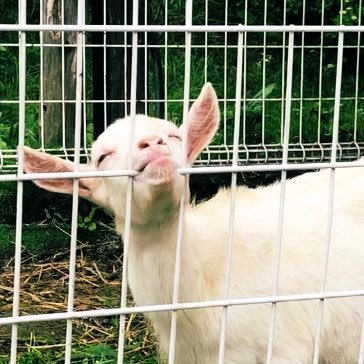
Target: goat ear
[37, 162]
[202, 123]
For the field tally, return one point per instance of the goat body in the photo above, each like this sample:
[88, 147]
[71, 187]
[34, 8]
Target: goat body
[156, 155]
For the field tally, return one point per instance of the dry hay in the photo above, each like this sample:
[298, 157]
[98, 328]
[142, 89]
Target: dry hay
[44, 289]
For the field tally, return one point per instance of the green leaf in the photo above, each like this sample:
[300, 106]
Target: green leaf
[87, 218]
[92, 226]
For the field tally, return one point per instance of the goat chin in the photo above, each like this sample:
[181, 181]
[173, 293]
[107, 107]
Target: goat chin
[157, 190]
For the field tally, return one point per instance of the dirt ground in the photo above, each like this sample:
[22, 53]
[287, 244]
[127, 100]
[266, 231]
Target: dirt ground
[44, 289]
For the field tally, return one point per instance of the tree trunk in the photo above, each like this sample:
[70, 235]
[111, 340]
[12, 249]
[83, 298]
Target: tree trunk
[52, 74]
[117, 65]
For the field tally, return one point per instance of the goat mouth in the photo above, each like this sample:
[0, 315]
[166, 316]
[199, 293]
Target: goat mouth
[158, 162]
[142, 168]
[157, 169]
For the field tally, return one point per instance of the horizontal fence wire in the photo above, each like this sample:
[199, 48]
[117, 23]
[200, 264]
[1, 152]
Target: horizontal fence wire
[184, 28]
[174, 46]
[186, 170]
[216, 156]
[180, 306]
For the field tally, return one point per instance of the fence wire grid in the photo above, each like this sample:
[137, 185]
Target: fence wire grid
[291, 93]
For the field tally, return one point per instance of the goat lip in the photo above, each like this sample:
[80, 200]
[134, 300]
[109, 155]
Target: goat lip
[152, 169]
[157, 161]
[155, 158]
[141, 169]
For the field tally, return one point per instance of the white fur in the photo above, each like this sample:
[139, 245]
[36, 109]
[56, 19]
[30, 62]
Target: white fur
[151, 267]
[151, 263]
[204, 246]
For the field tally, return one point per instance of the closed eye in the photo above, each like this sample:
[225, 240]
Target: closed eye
[101, 158]
[176, 136]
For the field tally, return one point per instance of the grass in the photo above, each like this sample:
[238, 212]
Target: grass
[36, 238]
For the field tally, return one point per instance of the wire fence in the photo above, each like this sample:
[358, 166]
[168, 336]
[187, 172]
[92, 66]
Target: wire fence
[213, 52]
[291, 98]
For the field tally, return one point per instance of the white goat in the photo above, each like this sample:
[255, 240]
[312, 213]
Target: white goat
[156, 155]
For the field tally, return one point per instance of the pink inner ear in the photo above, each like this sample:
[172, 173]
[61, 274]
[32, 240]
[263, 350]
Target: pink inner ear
[37, 162]
[203, 121]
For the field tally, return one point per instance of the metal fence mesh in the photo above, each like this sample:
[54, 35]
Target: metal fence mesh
[213, 57]
[291, 97]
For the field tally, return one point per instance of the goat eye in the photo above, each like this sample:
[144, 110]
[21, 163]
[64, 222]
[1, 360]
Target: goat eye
[102, 157]
[175, 136]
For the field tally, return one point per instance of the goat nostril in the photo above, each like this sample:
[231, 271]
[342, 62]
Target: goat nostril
[147, 142]
[143, 144]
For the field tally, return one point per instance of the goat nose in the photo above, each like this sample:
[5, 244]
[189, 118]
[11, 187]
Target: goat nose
[149, 140]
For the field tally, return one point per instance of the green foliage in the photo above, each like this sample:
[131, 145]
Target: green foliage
[88, 354]
[46, 345]
[9, 83]
[95, 354]
[8, 91]
[87, 222]
[263, 118]
[36, 238]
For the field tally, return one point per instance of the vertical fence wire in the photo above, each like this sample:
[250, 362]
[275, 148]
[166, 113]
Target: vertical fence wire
[63, 77]
[326, 251]
[230, 241]
[356, 102]
[225, 76]
[146, 76]
[361, 350]
[129, 191]
[126, 70]
[166, 62]
[287, 122]
[206, 39]
[104, 48]
[245, 41]
[283, 80]
[75, 194]
[22, 18]
[264, 68]
[41, 76]
[83, 97]
[320, 79]
[186, 97]
[301, 81]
